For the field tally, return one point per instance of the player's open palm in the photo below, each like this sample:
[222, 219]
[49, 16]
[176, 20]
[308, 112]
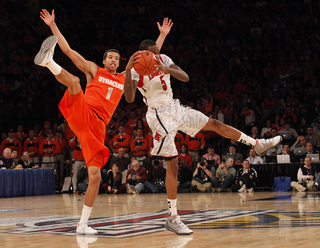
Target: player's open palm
[47, 17]
[166, 26]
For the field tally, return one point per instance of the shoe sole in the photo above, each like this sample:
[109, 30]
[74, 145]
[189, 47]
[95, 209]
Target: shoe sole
[45, 46]
[265, 152]
[171, 230]
[77, 233]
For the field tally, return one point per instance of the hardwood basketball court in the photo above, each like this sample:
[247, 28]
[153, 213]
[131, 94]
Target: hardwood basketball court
[260, 219]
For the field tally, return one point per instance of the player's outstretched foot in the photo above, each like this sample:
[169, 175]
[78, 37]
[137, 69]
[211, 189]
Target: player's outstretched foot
[45, 55]
[263, 145]
[175, 224]
[85, 230]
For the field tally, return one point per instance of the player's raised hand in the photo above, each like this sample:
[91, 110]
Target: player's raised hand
[166, 26]
[47, 17]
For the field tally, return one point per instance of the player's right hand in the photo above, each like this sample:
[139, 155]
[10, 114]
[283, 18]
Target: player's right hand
[46, 17]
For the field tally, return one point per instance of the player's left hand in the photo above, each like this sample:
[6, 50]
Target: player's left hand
[160, 66]
[166, 26]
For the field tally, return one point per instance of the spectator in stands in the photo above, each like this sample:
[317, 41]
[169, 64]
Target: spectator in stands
[224, 177]
[113, 180]
[139, 146]
[316, 128]
[300, 142]
[306, 178]
[48, 149]
[238, 157]
[266, 131]
[195, 144]
[46, 128]
[184, 155]
[5, 159]
[184, 177]
[26, 162]
[60, 157]
[254, 158]
[31, 145]
[310, 149]
[255, 132]
[11, 142]
[201, 177]
[212, 158]
[246, 179]
[121, 161]
[14, 156]
[311, 137]
[292, 131]
[156, 177]
[82, 180]
[78, 161]
[136, 177]
[20, 135]
[179, 140]
[302, 127]
[121, 140]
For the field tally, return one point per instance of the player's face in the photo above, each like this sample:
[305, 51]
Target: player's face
[112, 61]
[155, 49]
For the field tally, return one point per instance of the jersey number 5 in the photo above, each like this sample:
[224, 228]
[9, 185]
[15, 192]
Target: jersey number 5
[164, 85]
[110, 89]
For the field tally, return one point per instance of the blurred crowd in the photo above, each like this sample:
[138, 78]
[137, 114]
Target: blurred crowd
[252, 64]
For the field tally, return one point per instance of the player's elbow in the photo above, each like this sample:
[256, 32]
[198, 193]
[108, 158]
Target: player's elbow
[185, 78]
[129, 99]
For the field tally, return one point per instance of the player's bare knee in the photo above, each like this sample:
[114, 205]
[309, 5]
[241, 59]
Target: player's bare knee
[95, 178]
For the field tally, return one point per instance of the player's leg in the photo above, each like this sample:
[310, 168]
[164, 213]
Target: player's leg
[174, 222]
[261, 146]
[45, 58]
[94, 166]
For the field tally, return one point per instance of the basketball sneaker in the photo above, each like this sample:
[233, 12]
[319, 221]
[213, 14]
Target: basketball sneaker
[45, 55]
[250, 190]
[242, 190]
[175, 224]
[263, 145]
[85, 229]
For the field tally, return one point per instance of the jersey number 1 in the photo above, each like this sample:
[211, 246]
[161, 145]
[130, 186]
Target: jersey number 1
[109, 93]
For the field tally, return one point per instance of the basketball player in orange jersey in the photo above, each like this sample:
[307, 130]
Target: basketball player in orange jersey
[166, 116]
[88, 114]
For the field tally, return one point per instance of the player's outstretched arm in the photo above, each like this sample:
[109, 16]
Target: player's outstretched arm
[130, 86]
[85, 66]
[164, 31]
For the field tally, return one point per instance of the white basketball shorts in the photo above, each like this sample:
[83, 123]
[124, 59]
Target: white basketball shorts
[167, 120]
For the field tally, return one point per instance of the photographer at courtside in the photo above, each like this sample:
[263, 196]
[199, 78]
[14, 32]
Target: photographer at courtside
[201, 177]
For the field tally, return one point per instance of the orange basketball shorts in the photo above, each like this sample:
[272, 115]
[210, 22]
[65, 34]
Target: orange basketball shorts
[89, 129]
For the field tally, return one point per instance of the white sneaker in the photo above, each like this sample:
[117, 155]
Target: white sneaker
[263, 145]
[45, 55]
[129, 191]
[242, 190]
[85, 229]
[250, 190]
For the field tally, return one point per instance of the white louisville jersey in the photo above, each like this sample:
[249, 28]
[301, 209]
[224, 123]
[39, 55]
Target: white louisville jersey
[156, 87]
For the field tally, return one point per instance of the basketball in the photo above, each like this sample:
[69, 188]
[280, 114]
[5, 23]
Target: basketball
[146, 63]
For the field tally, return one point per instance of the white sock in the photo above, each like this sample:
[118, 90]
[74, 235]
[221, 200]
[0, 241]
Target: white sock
[86, 211]
[172, 205]
[247, 140]
[54, 67]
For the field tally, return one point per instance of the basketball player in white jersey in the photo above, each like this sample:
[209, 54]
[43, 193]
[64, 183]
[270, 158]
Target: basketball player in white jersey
[166, 116]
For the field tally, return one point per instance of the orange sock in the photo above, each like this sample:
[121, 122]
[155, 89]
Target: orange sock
[71, 99]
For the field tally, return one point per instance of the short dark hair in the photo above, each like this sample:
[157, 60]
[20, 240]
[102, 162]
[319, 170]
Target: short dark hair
[111, 50]
[274, 128]
[146, 43]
